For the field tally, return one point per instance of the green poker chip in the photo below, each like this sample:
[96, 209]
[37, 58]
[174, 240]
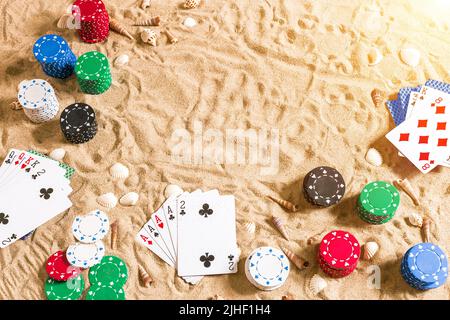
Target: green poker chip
[111, 271]
[96, 292]
[64, 290]
[93, 73]
[378, 202]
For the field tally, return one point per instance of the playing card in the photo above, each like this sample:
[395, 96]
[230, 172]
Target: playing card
[144, 238]
[153, 232]
[160, 224]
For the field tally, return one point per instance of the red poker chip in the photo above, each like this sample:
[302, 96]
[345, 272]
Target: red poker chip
[59, 269]
[335, 273]
[90, 10]
[340, 250]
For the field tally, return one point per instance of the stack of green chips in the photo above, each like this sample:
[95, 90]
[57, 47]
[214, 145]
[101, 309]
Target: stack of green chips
[71, 289]
[378, 202]
[107, 279]
[93, 72]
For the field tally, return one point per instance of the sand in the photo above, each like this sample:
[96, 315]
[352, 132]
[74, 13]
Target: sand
[299, 67]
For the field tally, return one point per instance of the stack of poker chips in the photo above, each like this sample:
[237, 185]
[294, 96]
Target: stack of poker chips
[93, 73]
[107, 279]
[338, 254]
[38, 100]
[93, 18]
[323, 186]
[55, 56]
[78, 123]
[378, 202]
[267, 268]
[424, 266]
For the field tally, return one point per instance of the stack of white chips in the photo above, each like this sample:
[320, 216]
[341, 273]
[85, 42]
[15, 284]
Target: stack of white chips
[38, 100]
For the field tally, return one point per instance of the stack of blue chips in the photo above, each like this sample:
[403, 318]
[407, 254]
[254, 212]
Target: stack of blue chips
[424, 266]
[55, 56]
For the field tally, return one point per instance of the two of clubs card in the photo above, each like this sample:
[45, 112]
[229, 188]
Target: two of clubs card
[423, 135]
[194, 232]
[33, 190]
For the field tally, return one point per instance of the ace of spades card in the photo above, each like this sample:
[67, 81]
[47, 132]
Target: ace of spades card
[207, 236]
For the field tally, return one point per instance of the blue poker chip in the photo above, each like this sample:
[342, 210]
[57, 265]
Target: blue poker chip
[91, 227]
[50, 47]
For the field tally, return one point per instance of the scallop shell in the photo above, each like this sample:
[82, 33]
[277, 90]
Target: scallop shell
[172, 190]
[145, 4]
[374, 157]
[107, 200]
[415, 219]
[374, 56]
[317, 284]
[189, 22]
[250, 227]
[370, 249]
[119, 28]
[149, 36]
[191, 4]
[57, 154]
[119, 171]
[129, 199]
[122, 60]
[410, 56]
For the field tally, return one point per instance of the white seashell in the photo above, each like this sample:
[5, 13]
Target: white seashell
[122, 60]
[317, 284]
[374, 56]
[129, 199]
[149, 36]
[415, 219]
[189, 22]
[57, 154]
[370, 248]
[410, 56]
[119, 171]
[172, 190]
[250, 227]
[107, 200]
[145, 4]
[374, 157]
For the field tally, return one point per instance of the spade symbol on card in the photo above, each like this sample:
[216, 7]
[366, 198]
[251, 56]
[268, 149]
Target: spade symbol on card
[207, 259]
[45, 193]
[27, 169]
[4, 218]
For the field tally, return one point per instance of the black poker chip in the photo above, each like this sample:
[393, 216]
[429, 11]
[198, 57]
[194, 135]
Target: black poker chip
[323, 186]
[78, 123]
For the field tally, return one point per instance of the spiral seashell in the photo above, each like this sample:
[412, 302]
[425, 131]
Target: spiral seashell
[145, 4]
[146, 279]
[250, 227]
[378, 97]
[119, 171]
[171, 37]
[129, 199]
[373, 156]
[172, 190]
[317, 284]
[415, 219]
[374, 56]
[191, 4]
[149, 36]
[107, 200]
[119, 28]
[278, 222]
[370, 249]
[300, 263]
[122, 60]
[15, 105]
[114, 231]
[426, 229]
[410, 56]
[155, 21]
[285, 204]
[57, 154]
[406, 186]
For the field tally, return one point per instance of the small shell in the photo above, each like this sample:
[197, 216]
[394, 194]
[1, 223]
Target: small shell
[378, 97]
[172, 190]
[129, 199]
[300, 263]
[15, 105]
[119, 171]
[57, 154]
[288, 296]
[374, 56]
[119, 28]
[410, 56]
[280, 226]
[191, 4]
[217, 297]
[149, 36]
[415, 219]
[171, 37]
[146, 279]
[313, 240]
[317, 284]
[426, 229]
[107, 200]
[122, 60]
[63, 21]
[406, 186]
[374, 157]
[114, 230]
[155, 21]
[285, 204]
[145, 4]
[189, 22]
[250, 227]
[370, 249]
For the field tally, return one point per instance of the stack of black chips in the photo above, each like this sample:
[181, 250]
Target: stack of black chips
[323, 186]
[78, 123]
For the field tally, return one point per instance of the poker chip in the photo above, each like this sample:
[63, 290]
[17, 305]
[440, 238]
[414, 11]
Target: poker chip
[267, 268]
[93, 72]
[94, 20]
[323, 186]
[378, 202]
[59, 269]
[424, 266]
[339, 253]
[104, 292]
[38, 100]
[111, 271]
[78, 123]
[64, 290]
[92, 227]
[85, 255]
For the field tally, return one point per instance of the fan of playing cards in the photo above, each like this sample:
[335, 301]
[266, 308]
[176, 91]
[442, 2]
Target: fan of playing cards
[421, 115]
[34, 189]
[194, 233]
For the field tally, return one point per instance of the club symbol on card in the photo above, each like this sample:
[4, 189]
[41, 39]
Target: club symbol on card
[205, 211]
[14, 237]
[4, 218]
[182, 212]
[45, 193]
[171, 217]
[34, 176]
[8, 161]
[230, 257]
[206, 259]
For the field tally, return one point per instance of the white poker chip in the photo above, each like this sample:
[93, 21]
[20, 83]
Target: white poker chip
[85, 255]
[35, 93]
[267, 268]
[91, 227]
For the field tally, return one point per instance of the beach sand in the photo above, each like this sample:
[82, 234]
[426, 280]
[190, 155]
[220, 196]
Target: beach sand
[299, 67]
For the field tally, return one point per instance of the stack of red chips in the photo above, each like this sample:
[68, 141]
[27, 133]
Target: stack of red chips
[339, 253]
[94, 20]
